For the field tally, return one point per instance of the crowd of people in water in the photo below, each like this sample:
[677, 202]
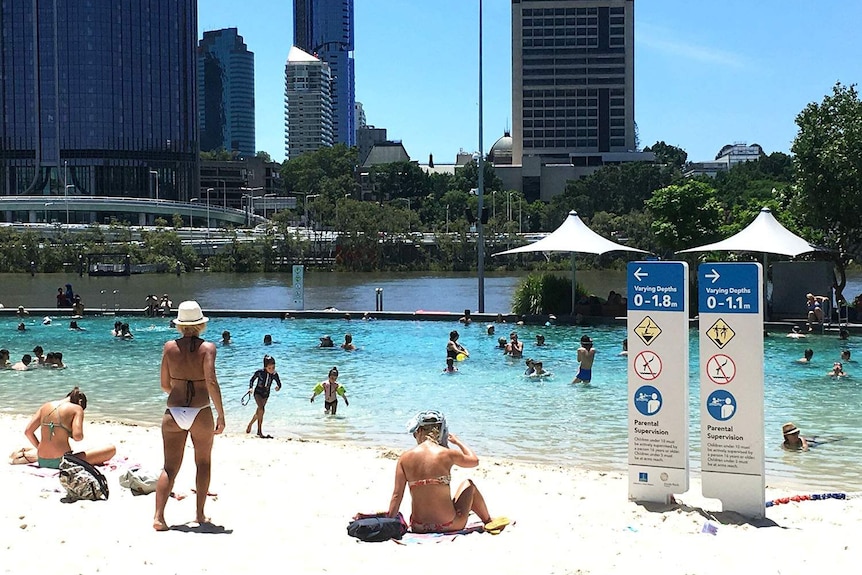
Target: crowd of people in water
[188, 377]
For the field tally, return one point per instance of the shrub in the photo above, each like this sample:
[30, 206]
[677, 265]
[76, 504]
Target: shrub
[545, 293]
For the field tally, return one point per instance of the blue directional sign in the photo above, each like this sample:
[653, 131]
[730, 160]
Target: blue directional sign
[728, 288]
[656, 286]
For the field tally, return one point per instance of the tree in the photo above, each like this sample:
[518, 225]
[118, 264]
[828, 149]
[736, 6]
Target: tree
[614, 189]
[328, 170]
[684, 215]
[828, 160]
[263, 155]
[667, 154]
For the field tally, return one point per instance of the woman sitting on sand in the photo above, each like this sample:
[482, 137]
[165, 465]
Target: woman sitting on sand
[188, 376]
[59, 421]
[427, 469]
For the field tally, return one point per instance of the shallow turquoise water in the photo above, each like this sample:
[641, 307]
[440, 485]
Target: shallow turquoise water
[397, 371]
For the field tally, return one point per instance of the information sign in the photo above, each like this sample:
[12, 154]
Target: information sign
[657, 325]
[299, 287]
[731, 385]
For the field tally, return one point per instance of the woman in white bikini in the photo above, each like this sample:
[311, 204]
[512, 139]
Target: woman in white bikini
[426, 470]
[188, 377]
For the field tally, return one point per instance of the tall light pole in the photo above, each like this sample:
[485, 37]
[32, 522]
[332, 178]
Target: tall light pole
[208, 211]
[156, 174]
[251, 202]
[481, 182]
[66, 199]
[191, 215]
[46, 210]
[447, 218]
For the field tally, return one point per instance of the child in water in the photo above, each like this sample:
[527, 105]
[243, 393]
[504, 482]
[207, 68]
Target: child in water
[450, 366]
[331, 389]
[263, 379]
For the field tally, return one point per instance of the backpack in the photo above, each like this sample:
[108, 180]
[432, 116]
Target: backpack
[81, 479]
[377, 529]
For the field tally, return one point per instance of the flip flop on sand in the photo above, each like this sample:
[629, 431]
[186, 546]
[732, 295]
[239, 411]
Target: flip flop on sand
[264, 436]
[496, 525]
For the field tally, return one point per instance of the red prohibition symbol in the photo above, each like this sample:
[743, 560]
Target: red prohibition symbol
[647, 365]
[720, 369]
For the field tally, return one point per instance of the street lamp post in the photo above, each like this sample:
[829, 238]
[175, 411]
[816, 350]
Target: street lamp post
[191, 215]
[208, 211]
[66, 199]
[480, 183]
[250, 199]
[46, 210]
[156, 174]
[447, 218]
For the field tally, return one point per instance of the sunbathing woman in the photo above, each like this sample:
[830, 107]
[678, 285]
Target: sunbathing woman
[426, 469]
[188, 377]
[59, 421]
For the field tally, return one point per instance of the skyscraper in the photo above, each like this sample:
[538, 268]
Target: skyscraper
[572, 80]
[307, 104]
[324, 28]
[226, 92]
[98, 98]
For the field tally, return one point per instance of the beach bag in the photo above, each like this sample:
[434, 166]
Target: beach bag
[140, 481]
[376, 529]
[82, 480]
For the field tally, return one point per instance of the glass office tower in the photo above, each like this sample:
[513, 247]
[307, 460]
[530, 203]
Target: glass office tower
[324, 28]
[226, 92]
[98, 98]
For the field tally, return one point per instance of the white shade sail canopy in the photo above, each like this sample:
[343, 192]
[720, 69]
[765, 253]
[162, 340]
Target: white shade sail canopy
[572, 236]
[765, 234]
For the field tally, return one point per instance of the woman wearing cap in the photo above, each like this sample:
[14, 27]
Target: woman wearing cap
[426, 469]
[188, 377]
[793, 440]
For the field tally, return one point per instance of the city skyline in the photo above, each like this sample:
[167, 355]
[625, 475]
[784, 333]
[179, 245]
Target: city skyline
[704, 78]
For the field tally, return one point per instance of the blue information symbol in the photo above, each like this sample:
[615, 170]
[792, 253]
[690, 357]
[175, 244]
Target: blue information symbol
[721, 405]
[648, 400]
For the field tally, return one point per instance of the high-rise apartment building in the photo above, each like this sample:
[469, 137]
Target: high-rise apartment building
[307, 104]
[572, 79]
[324, 28]
[98, 98]
[226, 92]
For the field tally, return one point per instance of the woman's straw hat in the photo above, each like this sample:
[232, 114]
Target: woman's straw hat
[789, 428]
[189, 313]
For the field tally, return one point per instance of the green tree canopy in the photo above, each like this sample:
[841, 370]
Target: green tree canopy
[685, 215]
[667, 154]
[828, 160]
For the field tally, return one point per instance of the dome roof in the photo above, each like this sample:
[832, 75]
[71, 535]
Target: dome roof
[501, 151]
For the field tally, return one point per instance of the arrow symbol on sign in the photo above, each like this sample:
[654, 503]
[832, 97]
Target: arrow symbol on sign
[639, 274]
[713, 276]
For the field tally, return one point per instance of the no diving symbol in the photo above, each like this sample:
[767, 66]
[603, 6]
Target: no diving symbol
[647, 365]
[720, 369]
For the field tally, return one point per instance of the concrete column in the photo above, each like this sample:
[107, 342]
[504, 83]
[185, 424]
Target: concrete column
[142, 219]
[32, 216]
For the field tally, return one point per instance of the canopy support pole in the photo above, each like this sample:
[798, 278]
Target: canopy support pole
[574, 284]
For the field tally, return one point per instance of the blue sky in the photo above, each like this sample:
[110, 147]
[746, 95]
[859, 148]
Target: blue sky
[706, 74]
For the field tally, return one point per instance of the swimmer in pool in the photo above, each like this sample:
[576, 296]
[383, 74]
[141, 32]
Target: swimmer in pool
[809, 353]
[453, 348]
[450, 366]
[793, 440]
[586, 356]
[837, 370]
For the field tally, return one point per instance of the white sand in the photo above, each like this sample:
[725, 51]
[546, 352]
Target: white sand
[283, 505]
